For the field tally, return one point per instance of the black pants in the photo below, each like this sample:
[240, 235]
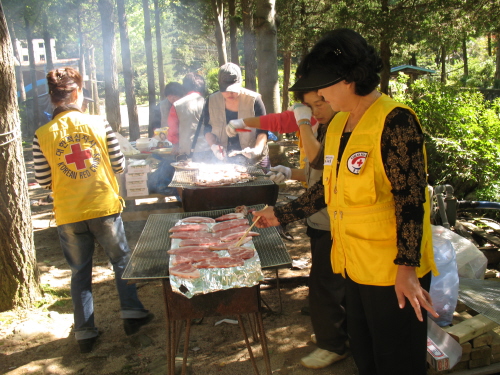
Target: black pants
[385, 340]
[326, 295]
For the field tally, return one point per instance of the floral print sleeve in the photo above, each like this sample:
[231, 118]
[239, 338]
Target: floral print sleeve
[402, 154]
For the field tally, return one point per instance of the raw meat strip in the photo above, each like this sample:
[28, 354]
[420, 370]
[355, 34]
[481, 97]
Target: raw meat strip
[231, 216]
[189, 227]
[199, 242]
[229, 224]
[198, 256]
[198, 219]
[242, 252]
[185, 270]
[189, 234]
[241, 209]
[186, 249]
[179, 259]
[228, 245]
[237, 236]
[239, 228]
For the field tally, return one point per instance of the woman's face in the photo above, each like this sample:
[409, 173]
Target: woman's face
[229, 96]
[339, 95]
[321, 110]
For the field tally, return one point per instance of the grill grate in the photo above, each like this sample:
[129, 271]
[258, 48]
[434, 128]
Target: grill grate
[187, 178]
[150, 259]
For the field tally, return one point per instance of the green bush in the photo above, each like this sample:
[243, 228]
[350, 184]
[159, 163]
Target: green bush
[463, 136]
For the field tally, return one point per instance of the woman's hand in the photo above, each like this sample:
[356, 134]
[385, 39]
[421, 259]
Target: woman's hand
[267, 218]
[408, 286]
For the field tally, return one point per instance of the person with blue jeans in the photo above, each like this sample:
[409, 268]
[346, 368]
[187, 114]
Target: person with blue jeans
[77, 155]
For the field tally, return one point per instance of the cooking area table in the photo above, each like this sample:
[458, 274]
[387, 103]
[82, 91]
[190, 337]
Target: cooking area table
[150, 261]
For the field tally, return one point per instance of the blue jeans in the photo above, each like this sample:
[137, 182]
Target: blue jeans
[77, 242]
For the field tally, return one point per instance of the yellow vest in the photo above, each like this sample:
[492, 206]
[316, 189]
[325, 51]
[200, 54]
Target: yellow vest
[83, 181]
[361, 205]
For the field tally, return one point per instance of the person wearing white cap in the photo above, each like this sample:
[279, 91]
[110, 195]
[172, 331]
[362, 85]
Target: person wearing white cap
[231, 102]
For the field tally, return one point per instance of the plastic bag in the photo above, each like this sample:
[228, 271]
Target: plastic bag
[471, 262]
[125, 145]
[444, 287]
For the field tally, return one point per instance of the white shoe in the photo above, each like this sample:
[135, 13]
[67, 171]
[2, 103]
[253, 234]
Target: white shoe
[314, 341]
[321, 358]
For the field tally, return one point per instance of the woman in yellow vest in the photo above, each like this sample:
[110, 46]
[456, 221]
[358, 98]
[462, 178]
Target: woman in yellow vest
[77, 155]
[374, 186]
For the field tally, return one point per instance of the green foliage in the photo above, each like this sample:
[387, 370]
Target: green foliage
[463, 136]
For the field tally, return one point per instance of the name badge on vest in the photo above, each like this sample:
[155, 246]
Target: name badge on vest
[356, 161]
[329, 159]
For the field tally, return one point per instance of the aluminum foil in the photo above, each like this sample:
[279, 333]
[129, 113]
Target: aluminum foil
[215, 279]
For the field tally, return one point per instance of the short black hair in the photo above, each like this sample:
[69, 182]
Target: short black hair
[347, 54]
[194, 82]
[174, 88]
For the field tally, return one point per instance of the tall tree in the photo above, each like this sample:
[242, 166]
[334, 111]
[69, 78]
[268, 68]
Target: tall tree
[233, 30]
[49, 63]
[267, 50]
[111, 98]
[159, 49]
[95, 108]
[128, 74]
[148, 41]
[29, 18]
[249, 45]
[19, 277]
[19, 72]
[218, 9]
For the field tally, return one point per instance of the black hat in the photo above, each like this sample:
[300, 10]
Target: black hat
[229, 78]
[316, 79]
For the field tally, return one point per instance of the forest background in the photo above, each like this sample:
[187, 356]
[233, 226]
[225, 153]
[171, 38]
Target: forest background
[130, 49]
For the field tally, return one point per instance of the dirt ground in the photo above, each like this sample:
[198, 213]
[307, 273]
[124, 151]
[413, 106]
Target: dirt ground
[40, 341]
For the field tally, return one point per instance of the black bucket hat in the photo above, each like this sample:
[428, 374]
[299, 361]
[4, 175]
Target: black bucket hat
[316, 79]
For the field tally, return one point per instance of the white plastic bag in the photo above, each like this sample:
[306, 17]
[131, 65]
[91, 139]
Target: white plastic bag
[471, 262]
[444, 287]
[125, 145]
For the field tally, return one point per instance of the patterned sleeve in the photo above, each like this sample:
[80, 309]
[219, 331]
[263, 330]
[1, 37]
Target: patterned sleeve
[402, 154]
[43, 173]
[312, 201]
[115, 154]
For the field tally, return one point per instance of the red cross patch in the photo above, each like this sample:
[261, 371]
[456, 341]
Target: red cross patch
[78, 156]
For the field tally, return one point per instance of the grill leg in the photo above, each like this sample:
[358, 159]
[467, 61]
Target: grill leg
[279, 292]
[263, 342]
[252, 358]
[253, 327]
[186, 346]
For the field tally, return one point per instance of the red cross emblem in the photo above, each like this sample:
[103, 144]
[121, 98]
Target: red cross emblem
[78, 156]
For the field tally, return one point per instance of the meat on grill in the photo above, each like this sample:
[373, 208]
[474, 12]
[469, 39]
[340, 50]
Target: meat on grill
[238, 235]
[242, 252]
[185, 270]
[198, 219]
[238, 229]
[186, 249]
[229, 224]
[228, 245]
[190, 234]
[203, 241]
[230, 216]
[200, 255]
[189, 227]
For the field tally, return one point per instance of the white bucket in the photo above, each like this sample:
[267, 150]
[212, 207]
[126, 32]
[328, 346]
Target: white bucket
[142, 144]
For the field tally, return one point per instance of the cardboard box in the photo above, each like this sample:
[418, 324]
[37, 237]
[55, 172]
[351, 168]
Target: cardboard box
[141, 176]
[443, 352]
[137, 192]
[138, 168]
[136, 184]
[437, 359]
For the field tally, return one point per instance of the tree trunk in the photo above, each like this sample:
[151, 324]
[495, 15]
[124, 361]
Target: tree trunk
[385, 74]
[233, 30]
[159, 50]
[465, 57]
[34, 89]
[19, 73]
[267, 54]
[249, 45]
[95, 106]
[134, 131]
[49, 63]
[81, 45]
[287, 62]
[218, 9]
[443, 64]
[497, 64]
[19, 276]
[111, 96]
[149, 59]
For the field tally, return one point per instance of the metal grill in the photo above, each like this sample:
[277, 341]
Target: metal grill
[188, 178]
[482, 296]
[150, 259]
